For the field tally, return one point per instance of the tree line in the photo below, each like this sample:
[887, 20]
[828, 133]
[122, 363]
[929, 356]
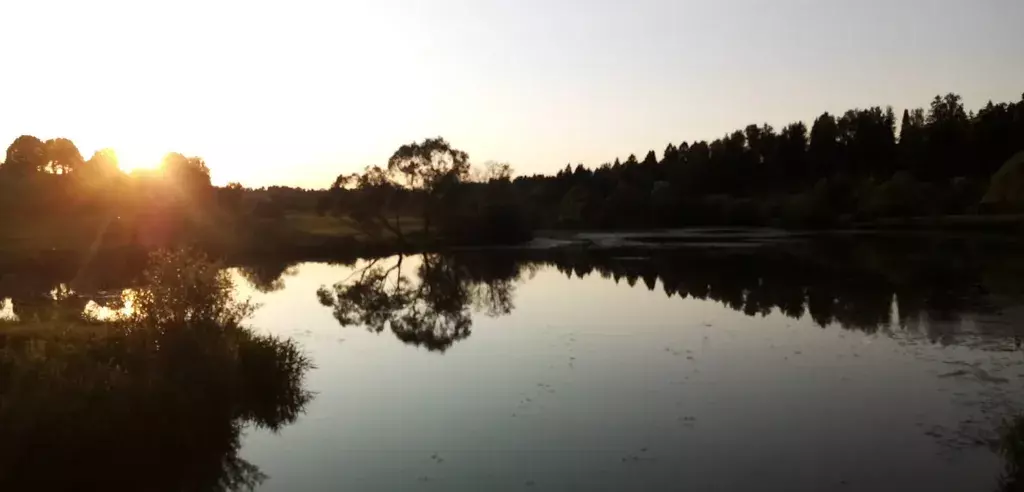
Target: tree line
[862, 164]
[855, 167]
[52, 197]
[858, 167]
[50, 194]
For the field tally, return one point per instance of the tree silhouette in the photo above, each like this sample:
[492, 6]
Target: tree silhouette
[824, 145]
[913, 134]
[187, 172]
[62, 156]
[845, 169]
[868, 141]
[650, 160]
[496, 171]
[371, 200]
[26, 154]
[102, 165]
[792, 157]
[433, 166]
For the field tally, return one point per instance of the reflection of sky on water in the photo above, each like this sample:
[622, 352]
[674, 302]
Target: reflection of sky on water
[7, 310]
[94, 310]
[629, 373]
[591, 384]
[113, 305]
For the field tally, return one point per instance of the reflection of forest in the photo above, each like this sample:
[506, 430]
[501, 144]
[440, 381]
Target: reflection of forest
[863, 285]
[939, 289]
[169, 409]
[433, 309]
[62, 287]
[141, 411]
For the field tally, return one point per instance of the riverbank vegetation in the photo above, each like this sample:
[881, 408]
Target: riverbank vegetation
[53, 199]
[940, 167]
[164, 387]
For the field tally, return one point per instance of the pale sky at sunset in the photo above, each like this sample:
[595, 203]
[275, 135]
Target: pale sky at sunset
[295, 92]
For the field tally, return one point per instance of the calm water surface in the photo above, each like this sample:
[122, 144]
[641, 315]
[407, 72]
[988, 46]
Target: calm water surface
[646, 372]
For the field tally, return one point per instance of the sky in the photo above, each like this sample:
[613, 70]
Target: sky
[296, 92]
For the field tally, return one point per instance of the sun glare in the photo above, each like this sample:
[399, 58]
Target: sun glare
[130, 159]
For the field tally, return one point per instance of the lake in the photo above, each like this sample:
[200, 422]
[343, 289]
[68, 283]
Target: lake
[720, 370]
[797, 365]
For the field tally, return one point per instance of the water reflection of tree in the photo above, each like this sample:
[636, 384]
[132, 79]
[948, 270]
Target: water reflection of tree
[169, 419]
[855, 287]
[155, 401]
[859, 286]
[58, 288]
[435, 308]
[266, 276]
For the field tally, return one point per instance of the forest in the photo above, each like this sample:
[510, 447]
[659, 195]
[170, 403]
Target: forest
[943, 164]
[853, 169]
[840, 170]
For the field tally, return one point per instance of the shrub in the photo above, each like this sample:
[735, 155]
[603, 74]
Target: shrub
[493, 223]
[169, 405]
[182, 288]
[1006, 189]
[900, 196]
[812, 209]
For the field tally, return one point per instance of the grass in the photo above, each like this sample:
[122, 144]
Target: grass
[321, 225]
[23, 237]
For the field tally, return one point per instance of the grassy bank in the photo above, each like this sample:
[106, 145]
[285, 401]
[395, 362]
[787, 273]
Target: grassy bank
[295, 234]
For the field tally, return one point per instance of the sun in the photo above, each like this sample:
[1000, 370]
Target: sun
[133, 159]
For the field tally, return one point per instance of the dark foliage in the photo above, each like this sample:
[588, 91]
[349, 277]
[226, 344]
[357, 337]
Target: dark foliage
[852, 283]
[433, 309]
[163, 392]
[858, 168]
[433, 182]
[846, 169]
